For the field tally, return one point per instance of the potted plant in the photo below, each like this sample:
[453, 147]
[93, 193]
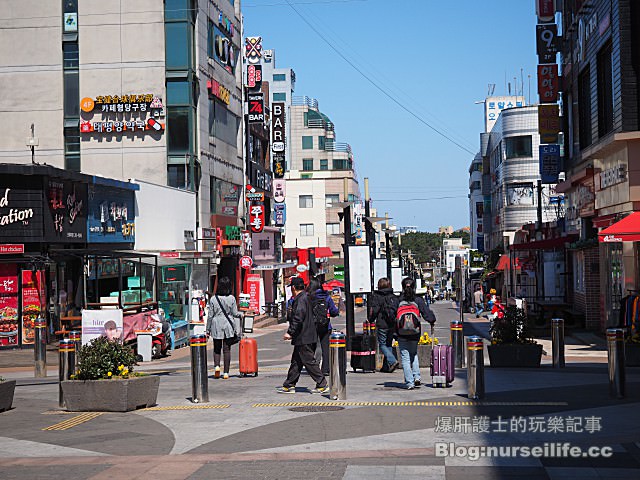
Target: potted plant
[105, 381]
[424, 349]
[511, 342]
[7, 388]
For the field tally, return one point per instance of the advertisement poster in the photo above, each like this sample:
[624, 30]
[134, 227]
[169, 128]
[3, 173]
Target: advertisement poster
[255, 289]
[31, 282]
[359, 269]
[8, 305]
[101, 323]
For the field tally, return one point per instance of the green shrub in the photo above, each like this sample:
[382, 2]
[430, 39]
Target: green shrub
[102, 358]
[512, 328]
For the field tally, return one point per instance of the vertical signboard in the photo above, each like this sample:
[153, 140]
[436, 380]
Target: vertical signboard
[549, 163]
[32, 296]
[254, 77]
[8, 305]
[546, 42]
[256, 107]
[546, 10]
[548, 83]
[253, 49]
[359, 269]
[256, 217]
[280, 214]
[548, 122]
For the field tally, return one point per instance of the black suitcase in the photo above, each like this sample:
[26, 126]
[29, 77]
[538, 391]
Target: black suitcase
[363, 353]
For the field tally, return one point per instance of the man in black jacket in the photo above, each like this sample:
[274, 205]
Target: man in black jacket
[381, 310]
[303, 335]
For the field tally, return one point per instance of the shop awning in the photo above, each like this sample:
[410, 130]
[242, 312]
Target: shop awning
[626, 230]
[503, 263]
[323, 252]
[548, 244]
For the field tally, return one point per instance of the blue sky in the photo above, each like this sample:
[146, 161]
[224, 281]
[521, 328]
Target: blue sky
[436, 58]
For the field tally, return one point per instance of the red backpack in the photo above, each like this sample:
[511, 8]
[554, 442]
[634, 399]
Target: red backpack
[408, 319]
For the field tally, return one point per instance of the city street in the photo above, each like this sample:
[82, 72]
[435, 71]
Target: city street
[381, 430]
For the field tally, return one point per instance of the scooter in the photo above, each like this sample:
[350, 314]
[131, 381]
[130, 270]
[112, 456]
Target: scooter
[161, 336]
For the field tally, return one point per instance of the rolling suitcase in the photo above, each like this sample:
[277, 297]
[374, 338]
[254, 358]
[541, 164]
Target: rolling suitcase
[442, 364]
[363, 353]
[248, 357]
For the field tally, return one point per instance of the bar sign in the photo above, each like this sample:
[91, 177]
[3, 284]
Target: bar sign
[11, 248]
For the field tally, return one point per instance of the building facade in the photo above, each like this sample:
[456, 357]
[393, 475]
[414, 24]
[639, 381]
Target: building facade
[476, 204]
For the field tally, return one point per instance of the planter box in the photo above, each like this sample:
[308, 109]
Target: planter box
[7, 388]
[515, 355]
[110, 395]
[632, 354]
[424, 356]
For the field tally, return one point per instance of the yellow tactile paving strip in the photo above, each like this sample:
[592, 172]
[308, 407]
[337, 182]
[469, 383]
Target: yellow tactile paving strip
[184, 407]
[405, 404]
[74, 421]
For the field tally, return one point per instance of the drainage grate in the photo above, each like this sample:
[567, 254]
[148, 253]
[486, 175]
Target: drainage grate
[317, 408]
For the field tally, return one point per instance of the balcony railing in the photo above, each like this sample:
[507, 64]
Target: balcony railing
[316, 123]
[304, 101]
[330, 146]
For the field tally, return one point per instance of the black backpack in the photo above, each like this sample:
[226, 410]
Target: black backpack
[387, 311]
[320, 312]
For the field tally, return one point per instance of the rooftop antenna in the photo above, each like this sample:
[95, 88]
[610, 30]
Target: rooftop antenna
[509, 87]
[32, 143]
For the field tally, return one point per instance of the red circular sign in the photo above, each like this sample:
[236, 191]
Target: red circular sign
[246, 262]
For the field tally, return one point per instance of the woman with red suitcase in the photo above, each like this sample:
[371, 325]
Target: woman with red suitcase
[223, 325]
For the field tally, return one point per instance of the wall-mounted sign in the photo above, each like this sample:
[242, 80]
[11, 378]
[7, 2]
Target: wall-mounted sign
[70, 22]
[520, 194]
[67, 219]
[218, 91]
[253, 49]
[256, 217]
[278, 165]
[256, 107]
[21, 213]
[548, 83]
[280, 214]
[223, 49]
[254, 77]
[546, 10]
[278, 139]
[546, 42]
[613, 176]
[246, 262]
[147, 107]
[11, 248]
[224, 197]
[494, 105]
[279, 190]
[255, 196]
[260, 178]
[111, 215]
[548, 122]
[225, 24]
[549, 163]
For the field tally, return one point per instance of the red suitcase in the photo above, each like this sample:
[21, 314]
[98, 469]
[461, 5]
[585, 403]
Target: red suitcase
[248, 357]
[442, 365]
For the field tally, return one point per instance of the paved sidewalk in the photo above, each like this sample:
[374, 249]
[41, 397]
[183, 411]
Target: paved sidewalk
[381, 431]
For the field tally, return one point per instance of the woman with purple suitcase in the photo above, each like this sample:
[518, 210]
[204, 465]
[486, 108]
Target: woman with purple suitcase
[410, 309]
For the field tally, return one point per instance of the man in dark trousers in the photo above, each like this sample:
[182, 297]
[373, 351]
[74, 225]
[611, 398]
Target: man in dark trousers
[303, 335]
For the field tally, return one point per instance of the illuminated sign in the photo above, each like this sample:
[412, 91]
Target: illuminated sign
[127, 113]
[256, 107]
[219, 91]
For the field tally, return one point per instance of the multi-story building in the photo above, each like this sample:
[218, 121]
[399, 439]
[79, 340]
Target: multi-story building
[601, 98]
[321, 174]
[476, 204]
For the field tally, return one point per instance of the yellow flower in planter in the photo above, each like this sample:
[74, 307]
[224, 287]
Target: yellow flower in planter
[121, 367]
[109, 374]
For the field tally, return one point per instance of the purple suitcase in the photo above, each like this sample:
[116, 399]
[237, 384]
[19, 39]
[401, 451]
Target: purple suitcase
[442, 365]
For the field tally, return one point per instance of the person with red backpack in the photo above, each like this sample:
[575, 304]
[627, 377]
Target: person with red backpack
[410, 310]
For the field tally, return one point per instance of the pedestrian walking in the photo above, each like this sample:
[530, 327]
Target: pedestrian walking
[411, 309]
[382, 310]
[478, 300]
[304, 336]
[223, 325]
[323, 308]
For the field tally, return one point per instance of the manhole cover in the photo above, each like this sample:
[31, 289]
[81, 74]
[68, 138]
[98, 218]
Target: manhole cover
[317, 408]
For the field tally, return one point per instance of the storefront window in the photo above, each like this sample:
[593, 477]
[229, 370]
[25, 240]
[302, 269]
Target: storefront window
[614, 280]
[174, 290]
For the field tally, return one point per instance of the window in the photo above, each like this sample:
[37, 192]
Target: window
[279, 97]
[578, 271]
[476, 167]
[178, 45]
[307, 143]
[71, 94]
[307, 164]
[279, 77]
[179, 121]
[223, 124]
[72, 149]
[305, 201]
[70, 55]
[305, 176]
[324, 164]
[178, 92]
[177, 176]
[341, 164]
[178, 10]
[306, 229]
[333, 229]
[605, 91]
[584, 108]
[331, 198]
[517, 147]
[475, 186]
[321, 143]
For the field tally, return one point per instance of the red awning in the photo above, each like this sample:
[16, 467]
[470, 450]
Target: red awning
[503, 263]
[548, 244]
[323, 252]
[626, 230]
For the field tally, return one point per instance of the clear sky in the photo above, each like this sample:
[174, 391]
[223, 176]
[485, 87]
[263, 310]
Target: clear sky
[435, 57]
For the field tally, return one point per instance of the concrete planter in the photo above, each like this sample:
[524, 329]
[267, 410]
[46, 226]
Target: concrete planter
[515, 355]
[7, 388]
[424, 355]
[115, 395]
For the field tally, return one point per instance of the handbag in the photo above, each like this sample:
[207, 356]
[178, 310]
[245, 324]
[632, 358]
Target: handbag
[235, 339]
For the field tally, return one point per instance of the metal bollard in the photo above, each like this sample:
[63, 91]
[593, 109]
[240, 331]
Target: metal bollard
[76, 337]
[199, 378]
[615, 351]
[40, 347]
[338, 366]
[557, 342]
[475, 367]
[66, 367]
[457, 340]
